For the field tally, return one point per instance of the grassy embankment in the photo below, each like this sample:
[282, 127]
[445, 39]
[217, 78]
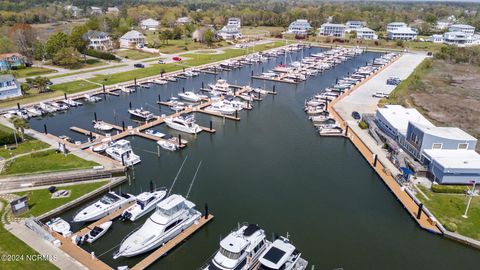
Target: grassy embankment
[31, 72]
[134, 54]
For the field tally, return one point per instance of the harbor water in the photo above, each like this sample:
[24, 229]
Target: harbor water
[273, 169]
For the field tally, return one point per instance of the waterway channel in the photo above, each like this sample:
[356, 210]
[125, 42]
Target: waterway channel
[273, 169]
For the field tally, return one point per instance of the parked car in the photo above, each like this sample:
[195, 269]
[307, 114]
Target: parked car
[176, 58]
[161, 61]
[139, 65]
[393, 81]
[356, 115]
[380, 95]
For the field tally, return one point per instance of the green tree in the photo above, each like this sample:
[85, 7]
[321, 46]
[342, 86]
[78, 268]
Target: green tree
[38, 50]
[177, 32]
[20, 125]
[76, 40]
[40, 83]
[93, 23]
[67, 57]
[209, 37]
[55, 43]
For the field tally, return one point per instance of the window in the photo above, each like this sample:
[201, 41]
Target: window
[437, 146]
[462, 145]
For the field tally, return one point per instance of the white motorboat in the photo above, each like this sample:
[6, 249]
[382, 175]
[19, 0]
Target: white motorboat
[72, 103]
[183, 123]
[168, 145]
[141, 113]
[59, 106]
[122, 151]
[246, 97]
[155, 133]
[159, 81]
[281, 254]
[172, 216]
[97, 232]
[240, 250]
[176, 105]
[221, 86]
[190, 96]
[93, 99]
[58, 225]
[331, 131]
[191, 73]
[108, 204]
[100, 125]
[127, 89]
[145, 202]
[171, 79]
[221, 107]
[100, 148]
[33, 111]
[47, 108]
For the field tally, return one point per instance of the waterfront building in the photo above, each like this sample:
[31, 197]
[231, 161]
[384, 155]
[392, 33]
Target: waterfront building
[9, 87]
[96, 11]
[353, 25]
[467, 29]
[149, 24]
[333, 29]
[366, 33]
[402, 33]
[98, 40]
[132, 39]
[229, 32]
[461, 39]
[299, 27]
[234, 22]
[10, 61]
[396, 25]
[424, 141]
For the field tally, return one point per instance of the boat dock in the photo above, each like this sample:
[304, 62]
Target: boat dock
[163, 250]
[280, 79]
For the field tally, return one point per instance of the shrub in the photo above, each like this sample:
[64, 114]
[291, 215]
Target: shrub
[363, 125]
[449, 189]
[450, 226]
[7, 138]
[100, 54]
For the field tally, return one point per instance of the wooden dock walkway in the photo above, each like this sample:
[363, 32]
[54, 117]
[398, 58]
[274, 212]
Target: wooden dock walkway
[86, 132]
[154, 256]
[272, 79]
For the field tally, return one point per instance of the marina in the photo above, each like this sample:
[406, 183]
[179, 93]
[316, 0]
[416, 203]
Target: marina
[272, 141]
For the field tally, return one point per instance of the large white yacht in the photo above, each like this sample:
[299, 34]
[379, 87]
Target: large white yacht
[145, 202]
[190, 96]
[221, 86]
[240, 250]
[281, 254]
[183, 123]
[141, 113]
[172, 216]
[108, 204]
[221, 107]
[121, 150]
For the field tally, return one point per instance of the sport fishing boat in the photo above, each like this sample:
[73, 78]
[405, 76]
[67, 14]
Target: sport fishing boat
[221, 86]
[108, 204]
[281, 254]
[96, 232]
[100, 125]
[155, 133]
[190, 96]
[122, 151]
[183, 123]
[240, 250]
[168, 145]
[141, 113]
[172, 216]
[58, 225]
[145, 203]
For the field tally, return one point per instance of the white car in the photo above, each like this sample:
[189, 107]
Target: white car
[380, 95]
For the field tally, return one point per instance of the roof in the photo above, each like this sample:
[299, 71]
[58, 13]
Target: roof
[397, 23]
[95, 34]
[171, 201]
[7, 77]
[6, 55]
[465, 26]
[455, 158]
[132, 34]
[452, 133]
[402, 30]
[277, 254]
[149, 21]
[364, 29]
[334, 25]
[399, 117]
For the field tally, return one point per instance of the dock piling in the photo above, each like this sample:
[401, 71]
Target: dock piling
[95, 116]
[206, 211]
[273, 90]
[183, 89]
[420, 208]
[375, 159]
[45, 128]
[346, 130]
[179, 139]
[123, 125]
[65, 95]
[130, 105]
[211, 125]
[203, 85]
[158, 150]
[103, 87]
[236, 113]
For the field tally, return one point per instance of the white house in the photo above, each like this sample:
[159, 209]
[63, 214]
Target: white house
[98, 40]
[299, 27]
[9, 87]
[467, 29]
[149, 24]
[461, 39]
[229, 32]
[74, 10]
[366, 33]
[96, 11]
[132, 39]
[333, 29]
[402, 33]
[234, 22]
[396, 25]
[436, 38]
[353, 25]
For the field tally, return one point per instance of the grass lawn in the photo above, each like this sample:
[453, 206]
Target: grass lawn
[74, 86]
[30, 98]
[12, 245]
[449, 208]
[179, 45]
[32, 72]
[40, 201]
[261, 30]
[85, 71]
[134, 54]
[46, 161]
[27, 146]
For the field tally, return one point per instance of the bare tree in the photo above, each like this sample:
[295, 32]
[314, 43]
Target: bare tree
[24, 36]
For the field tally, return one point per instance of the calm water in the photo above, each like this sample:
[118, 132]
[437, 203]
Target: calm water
[273, 169]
